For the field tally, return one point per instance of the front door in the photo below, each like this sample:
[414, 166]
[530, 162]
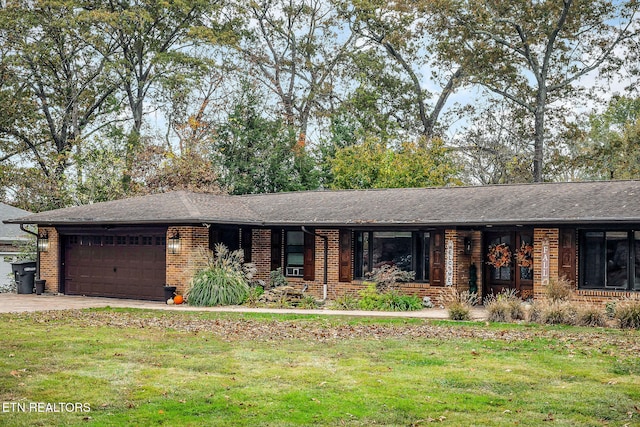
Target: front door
[509, 262]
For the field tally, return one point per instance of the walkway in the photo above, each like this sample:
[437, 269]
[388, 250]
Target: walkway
[16, 303]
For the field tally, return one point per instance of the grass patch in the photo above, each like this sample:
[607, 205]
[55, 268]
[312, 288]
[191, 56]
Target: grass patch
[144, 367]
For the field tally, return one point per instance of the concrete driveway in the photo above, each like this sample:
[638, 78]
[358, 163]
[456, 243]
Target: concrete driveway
[17, 303]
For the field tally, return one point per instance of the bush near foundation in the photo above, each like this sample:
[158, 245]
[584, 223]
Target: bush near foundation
[504, 307]
[590, 315]
[553, 312]
[627, 312]
[224, 280]
[372, 299]
[345, 302]
[558, 289]
[457, 303]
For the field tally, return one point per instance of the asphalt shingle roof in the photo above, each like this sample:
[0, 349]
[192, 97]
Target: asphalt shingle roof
[526, 204]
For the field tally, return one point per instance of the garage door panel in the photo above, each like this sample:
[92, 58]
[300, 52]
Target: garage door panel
[119, 269]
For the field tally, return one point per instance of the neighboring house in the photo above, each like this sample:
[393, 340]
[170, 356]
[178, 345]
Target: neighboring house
[514, 237]
[10, 238]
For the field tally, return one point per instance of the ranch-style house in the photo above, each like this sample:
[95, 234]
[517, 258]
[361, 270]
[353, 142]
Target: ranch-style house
[490, 237]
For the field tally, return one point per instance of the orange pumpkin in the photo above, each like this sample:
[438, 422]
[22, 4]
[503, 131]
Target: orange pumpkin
[178, 299]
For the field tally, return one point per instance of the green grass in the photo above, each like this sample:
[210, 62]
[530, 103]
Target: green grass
[137, 367]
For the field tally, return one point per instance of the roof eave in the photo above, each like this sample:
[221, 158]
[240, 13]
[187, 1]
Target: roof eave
[331, 224]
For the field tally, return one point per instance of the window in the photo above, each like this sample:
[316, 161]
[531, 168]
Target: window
[610, 259]
[294, 253]
[409, 251]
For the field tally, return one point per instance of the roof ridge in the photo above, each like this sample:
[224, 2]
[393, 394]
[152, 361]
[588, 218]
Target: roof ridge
[445, 187]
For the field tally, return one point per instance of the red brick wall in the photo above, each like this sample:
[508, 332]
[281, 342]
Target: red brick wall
[261, 252]
[462, 261]
[181, 266]
[541, 235]
[50, 260]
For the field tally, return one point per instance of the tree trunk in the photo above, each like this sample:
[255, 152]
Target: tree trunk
[538, 141]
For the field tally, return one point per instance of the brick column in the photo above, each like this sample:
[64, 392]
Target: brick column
[261, 252]
[50, 260]
[544, 238]
[451, 237]
[181, 266]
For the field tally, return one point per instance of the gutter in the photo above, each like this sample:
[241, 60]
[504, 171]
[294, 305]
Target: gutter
[326, 253]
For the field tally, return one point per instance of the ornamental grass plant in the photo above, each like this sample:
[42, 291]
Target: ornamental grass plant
[627, 312]
[457, 303]
[504, 307]
[224, 279]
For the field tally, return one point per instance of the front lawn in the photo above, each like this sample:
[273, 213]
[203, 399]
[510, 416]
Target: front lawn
[134, 367]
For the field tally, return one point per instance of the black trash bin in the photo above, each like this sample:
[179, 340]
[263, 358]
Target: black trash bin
[24, 273]
[169, 292]
[40, 286]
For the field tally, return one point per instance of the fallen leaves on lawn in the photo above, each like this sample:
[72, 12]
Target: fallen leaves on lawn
[322, 329]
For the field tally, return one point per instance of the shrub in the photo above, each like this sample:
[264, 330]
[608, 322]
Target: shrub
[610, 309]
[553, 312]
[372, 299]
[394, 301]
[281, 301]
[628, 313]
[276, 278]
[459, 311]
[223, 281]
[558, 289]
[458, 304]
[589, 315]
[308, 302]
[504, 307]
[387, 276]
[9, 287]
[345, 302]
[369, 297]
[253, 296]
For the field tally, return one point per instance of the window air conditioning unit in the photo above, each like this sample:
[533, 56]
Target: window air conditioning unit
[294, 271]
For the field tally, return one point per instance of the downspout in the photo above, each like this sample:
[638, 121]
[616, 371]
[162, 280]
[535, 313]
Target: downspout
[326, 253]
[37, 251]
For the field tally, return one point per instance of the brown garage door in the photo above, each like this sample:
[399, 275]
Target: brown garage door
[122, 266]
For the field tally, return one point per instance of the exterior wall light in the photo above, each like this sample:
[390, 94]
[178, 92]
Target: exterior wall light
[43, 241]
[173, 243]
[467, 245]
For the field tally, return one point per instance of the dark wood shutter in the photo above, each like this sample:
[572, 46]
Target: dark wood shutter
[309, 257]
[214, 238]
[437, 258]
[276, 249]
[246, 243]
[345, 256]
[567, 254]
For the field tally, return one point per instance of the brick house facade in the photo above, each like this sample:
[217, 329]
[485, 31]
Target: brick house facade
[580, 231]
